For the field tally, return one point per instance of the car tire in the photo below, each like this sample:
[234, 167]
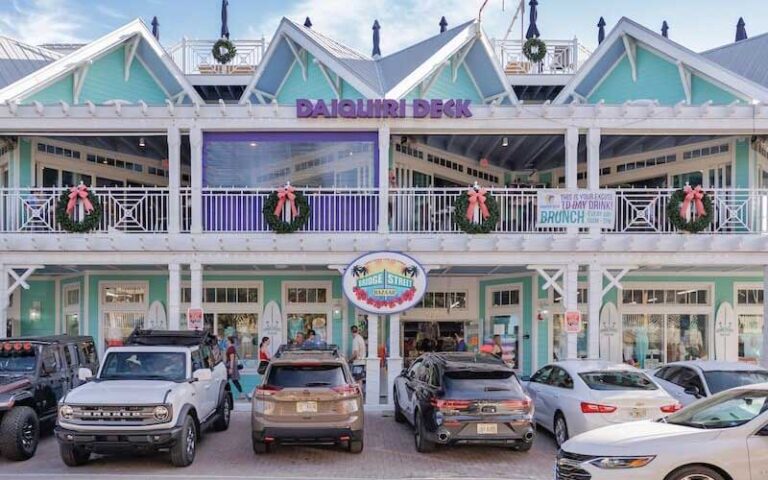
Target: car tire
[73, 456]
[522, 446]
[699, 472]
[355, 446]
[19, 434]
[423, 445]
[560, 429]
[224, 413]
[260, 448]
[399, 417]
[183, 452]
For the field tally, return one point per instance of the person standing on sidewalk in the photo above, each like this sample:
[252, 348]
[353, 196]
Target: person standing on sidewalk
[233, 370]
[359, 352]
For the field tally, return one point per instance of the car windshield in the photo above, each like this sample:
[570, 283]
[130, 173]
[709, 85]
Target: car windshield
[482, 382]
[17, 358]
[302, 376]
[144, 366]
[618, 380]
[726, 410]
[719, 381]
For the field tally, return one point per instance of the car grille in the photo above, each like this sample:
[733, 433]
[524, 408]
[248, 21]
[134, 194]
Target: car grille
[567, 467]
[127, 415]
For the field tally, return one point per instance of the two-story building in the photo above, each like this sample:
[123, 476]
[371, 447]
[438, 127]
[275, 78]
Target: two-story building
[137, 183]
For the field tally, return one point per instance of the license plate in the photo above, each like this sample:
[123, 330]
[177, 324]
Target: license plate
[306, 407]
[637, 413]
[487, 429]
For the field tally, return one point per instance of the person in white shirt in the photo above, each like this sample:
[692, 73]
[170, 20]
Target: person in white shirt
[358, 348]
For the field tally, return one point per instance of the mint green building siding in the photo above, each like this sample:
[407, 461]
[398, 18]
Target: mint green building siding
[703, 91]
[742, 164]
[445, 88]
[61, 90]
[315, 87]
[40, 292]
[26, 173]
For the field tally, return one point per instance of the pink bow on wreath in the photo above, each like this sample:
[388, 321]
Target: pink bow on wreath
[286, 194]
[694, 195]
[477, 198]
[81, 192]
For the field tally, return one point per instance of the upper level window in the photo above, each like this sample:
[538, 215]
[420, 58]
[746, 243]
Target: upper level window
[307, 295]
[450, 300]
[119, 294]
[750, 296]
[678, 296]
[503, 298]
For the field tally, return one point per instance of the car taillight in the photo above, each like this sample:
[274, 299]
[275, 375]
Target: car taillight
[267, 389]
[675, 407]
[443, 404]
[524, 404]
[351, 390]
[596, 408]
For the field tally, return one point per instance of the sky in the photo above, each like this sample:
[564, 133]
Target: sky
[697, 24]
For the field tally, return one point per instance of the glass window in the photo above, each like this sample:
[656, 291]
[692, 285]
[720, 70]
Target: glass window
[244, 327]
[718, 381]
[643, 339]
[542, 376]
[72, 324]
[144, 365]
[290, 376]
[731, 409]
[123, 294]
[17, 360]
[560, 378]
[686, 337]
[560, 337]
[304, 159]
[304, 322]
[617, 380]
[50, 177]
[750, 337]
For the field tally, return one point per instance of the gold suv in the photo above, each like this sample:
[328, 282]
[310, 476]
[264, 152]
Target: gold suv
[307, 396]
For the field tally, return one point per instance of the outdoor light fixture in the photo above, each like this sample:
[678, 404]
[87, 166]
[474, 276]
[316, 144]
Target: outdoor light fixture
[34, 312]
[142, 143]
[254, 144]
[505, 142]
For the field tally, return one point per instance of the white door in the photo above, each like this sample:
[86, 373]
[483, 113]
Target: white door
[758, 454]
[206, 395]
[719, 176]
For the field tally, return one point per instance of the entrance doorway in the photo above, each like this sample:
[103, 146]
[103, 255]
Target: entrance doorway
[430, 336]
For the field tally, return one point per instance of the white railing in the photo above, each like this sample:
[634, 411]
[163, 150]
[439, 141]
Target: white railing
[132, 209]
[195, 57]
[331, 209]
[563, 57]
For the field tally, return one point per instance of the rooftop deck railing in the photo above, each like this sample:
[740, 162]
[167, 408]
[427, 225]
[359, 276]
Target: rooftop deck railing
[562, 57]
[195, 57]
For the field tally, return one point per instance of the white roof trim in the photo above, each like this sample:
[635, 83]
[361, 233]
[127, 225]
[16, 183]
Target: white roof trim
[67, 64]
[292, 32]
[692, 60]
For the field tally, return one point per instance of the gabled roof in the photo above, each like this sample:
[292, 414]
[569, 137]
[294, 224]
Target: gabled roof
[745, 58]
[391, 76]
[614, 47]
[17, 60]
[165, 71]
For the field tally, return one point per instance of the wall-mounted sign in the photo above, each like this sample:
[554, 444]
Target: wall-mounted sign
[383, 108]
[384, 282]
[563, 208]
[194, 318]
[572, 322]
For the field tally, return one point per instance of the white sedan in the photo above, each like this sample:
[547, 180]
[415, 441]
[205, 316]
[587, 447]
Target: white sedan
[574, 396]
[724, 437]
[691, 380]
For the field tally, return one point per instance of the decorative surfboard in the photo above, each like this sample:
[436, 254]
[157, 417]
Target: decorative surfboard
[610, 333]
[271, 325]
[156, 318]
[726, 342]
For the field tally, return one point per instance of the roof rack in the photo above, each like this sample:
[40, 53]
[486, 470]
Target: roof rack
[307, 348]
[184, 338]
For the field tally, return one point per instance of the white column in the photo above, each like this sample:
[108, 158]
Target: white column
[395, 360]
[3, 301]
[570, 302]
[174, 296]
[60, 327]
[593, 165]
[174, 179]
[196, 179]
[595, 303]
[764, 356]
[571, 164]
[384, 178]
[372, 366]
[196, 285]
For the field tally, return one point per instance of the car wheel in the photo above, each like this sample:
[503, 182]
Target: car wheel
[695, 472]
[224, 414]
[183, 452]
[423, 445]
[561, 430]
[522, 446]
[73, 456]
[355, 446]
[399, 417]
[260, 448]
[19, 434]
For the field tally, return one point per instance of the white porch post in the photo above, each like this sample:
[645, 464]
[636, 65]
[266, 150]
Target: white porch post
[174, 296]
[174, 180]
[383, 178]
[593, 165]
[3, 301]
[594, 303]
[196, 285]
[571, 164]
[372, 366]
[395, 360]
[196, 179]
[764, 354]
[570, 302]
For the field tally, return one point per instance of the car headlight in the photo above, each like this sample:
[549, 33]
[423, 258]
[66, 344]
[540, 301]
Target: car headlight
[622, 462]
[66, 412]
[161, 413]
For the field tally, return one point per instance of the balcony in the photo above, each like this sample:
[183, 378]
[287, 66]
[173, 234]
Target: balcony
[564, 57]
[355, 210]
[195, 57]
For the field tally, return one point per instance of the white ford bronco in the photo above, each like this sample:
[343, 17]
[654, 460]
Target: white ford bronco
[158, 392]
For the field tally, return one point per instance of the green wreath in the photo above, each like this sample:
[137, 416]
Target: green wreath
[91, 220]
[277, 224]
[695, 225]
[227, 56]
[487, 225]
[535, 49]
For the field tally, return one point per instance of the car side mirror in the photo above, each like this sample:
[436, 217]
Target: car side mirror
[404, 372]
[202, 375]
[84, 374]
[693, 391]
[262, 367]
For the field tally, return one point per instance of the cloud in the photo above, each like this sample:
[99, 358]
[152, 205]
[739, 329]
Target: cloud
[110, 12]
[402, 23]
[43, 21]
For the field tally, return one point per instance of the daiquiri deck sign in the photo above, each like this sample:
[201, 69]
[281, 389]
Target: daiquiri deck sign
[384, 282]
[383, 108]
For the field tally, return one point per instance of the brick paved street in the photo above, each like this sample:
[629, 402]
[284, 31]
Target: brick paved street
[389, 454]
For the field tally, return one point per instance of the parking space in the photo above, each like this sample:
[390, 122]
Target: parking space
[388, 454]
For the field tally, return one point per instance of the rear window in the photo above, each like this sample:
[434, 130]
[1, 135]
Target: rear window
[302, 376]
[618, 381]
[719, 381]
[482, 381]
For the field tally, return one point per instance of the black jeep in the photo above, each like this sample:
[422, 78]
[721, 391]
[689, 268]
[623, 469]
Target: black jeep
[35, 372]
